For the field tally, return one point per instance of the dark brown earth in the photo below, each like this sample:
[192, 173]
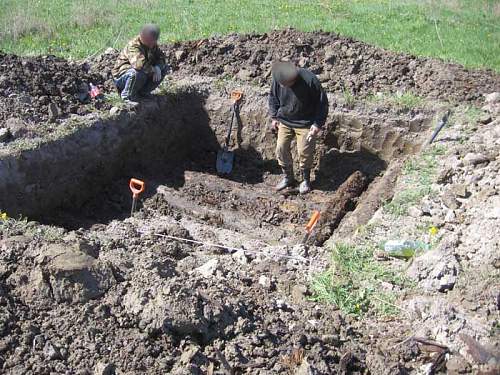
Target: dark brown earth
[100, 293]
[341, 63]
[29, 84]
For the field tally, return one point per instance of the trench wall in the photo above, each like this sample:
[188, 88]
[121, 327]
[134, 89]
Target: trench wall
[67, 171]
[162, 134]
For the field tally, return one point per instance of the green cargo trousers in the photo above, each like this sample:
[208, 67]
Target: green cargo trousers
[305, 148]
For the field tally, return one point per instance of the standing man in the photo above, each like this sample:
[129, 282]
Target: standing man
[298, 106]
[141, 66]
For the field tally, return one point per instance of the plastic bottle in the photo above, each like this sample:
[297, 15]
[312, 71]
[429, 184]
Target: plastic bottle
[404, 248]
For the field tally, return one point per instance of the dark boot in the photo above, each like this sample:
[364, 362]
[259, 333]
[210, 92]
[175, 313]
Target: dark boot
[305, 185]
[287, 180]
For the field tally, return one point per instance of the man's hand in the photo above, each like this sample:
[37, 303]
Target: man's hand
[156, 73]
[313, 132]
[274, 126]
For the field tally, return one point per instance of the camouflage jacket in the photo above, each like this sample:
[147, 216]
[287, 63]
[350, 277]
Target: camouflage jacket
[136, 55]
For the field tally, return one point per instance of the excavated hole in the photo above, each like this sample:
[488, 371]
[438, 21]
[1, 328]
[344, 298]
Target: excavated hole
[82, 179]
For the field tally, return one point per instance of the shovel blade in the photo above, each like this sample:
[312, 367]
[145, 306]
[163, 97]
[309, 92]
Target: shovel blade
[224, 163]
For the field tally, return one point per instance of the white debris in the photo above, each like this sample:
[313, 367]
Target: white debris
[209, 268]
[265, 281]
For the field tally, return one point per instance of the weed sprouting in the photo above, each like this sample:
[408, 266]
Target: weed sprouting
[418, 173]
[354, 281]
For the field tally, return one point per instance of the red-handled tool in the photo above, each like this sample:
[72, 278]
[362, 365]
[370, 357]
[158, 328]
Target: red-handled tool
[136, 187]
[311, 224]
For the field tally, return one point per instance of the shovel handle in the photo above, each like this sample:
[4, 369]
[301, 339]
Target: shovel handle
[136, 186]
[312, 221]
[236, 95]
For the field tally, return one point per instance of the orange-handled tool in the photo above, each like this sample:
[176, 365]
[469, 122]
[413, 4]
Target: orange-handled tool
[311, 224]
[236, 95]
[136, 187]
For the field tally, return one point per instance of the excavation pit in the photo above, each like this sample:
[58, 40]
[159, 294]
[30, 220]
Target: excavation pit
[123, 292]
[141, 286]
[81, 178]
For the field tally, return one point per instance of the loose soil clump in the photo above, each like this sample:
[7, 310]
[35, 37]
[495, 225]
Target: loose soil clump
[39, 89]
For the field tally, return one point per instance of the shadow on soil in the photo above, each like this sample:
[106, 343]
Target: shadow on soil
[173, 143]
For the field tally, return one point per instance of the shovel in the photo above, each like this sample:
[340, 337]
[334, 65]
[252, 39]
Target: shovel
[136, 187]
[310, 225]
[225, 158]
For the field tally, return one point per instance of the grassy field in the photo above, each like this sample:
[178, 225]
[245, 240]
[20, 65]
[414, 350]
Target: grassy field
[464, 31]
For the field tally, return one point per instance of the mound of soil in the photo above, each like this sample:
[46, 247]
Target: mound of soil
[38, 89]
[341, 63]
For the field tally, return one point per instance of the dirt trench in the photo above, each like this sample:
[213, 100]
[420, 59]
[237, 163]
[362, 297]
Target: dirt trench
[171, 305]
[171, 142]
[89, 290]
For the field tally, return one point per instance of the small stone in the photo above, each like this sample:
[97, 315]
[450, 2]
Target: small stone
[265, 281]
[437, 221]
[457, 365]
[209, 268]
[485, 194]
[450, 201]
[473, 158]
[494, 97]
[415, 211]
[445, 274]
[104, 369]
[188, 354]
[280, 304]
[16, 126]
[494, 213]
[447, 282]
[38, 342]
[50, 352]
[324, 77]
[240, 257]
[460, 190]
[303, 62]
[387, 286]
[436, 213]
[4, 134]
[299, 293]
[426, 206]
[244, 75]
[114, 111]
[485, 119]
[180, 54]
[450, 217]
[304, 369]
[445, 175]
[329, 54]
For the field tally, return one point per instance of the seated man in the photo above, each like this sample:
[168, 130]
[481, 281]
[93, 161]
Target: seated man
[141, 66]
[298, 106]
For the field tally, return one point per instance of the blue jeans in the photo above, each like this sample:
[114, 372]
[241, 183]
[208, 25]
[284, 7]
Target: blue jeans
[135, 83]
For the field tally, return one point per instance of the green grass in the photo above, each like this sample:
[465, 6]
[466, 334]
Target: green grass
[418, 174]
[404, 101]
[354, 282]
[348, 97]
[463, 31]
[473, 114]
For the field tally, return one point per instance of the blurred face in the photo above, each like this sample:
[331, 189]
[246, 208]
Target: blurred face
[148, 40]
